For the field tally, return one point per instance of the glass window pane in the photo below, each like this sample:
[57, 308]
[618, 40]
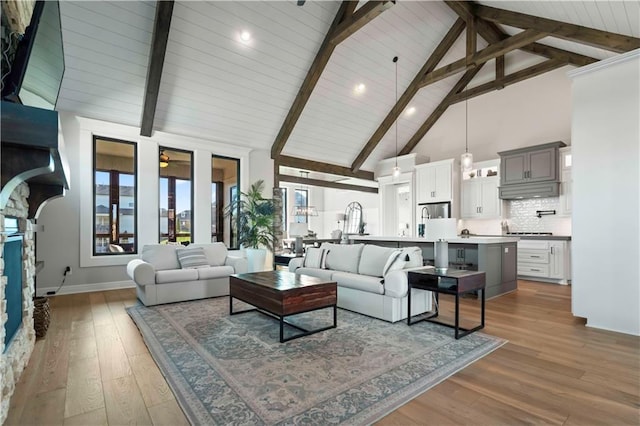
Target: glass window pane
[114, 197]
[164, 210]
[183, 210]
[225, 174]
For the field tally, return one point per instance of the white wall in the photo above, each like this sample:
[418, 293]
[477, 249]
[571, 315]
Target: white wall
[336, 201]
[67, 236]
[606, 193]
[531, 112]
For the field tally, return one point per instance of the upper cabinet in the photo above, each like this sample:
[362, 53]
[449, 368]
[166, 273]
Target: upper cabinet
[434, 182]
[534, 169]
[479, 192]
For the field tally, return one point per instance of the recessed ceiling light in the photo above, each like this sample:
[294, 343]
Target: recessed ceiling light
[245, 36]
[360, 88]
[410, 111]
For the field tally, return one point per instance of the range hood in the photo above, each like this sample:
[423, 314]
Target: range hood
[32, 151]
[530, 190]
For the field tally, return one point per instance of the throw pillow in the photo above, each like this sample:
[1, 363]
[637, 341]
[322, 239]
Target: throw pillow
[192, 258]
[315, 258]
[394, 262]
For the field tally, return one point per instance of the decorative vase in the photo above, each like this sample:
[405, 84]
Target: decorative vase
[256, 259]
[41, 315]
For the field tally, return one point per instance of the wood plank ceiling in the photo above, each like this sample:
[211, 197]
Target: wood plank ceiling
[254, 94]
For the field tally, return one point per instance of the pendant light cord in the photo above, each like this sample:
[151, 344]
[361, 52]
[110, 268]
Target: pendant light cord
[395, 60]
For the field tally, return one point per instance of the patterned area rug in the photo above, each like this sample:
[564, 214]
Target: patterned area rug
[233, 370]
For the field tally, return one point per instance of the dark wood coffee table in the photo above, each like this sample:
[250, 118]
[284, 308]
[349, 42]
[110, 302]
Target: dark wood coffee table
[283, 293]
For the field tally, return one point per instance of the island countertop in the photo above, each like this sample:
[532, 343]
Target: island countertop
[455, 240]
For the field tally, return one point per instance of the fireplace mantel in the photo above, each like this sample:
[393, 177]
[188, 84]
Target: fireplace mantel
[32, 152]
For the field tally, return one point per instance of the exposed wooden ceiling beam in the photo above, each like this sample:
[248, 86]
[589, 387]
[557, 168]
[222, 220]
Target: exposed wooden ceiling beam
[577, 33]
[162, 25]
[317, 166]
[359, 19]
[345, 12]
[493, 34]
[499, 83]
[435, 57]
[499, 67]
[439, 110]
[325, 183]
[490, 52]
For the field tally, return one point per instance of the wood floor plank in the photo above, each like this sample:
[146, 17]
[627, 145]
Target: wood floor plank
[152, 384]
[53, 374]
[124, 402]
[168, 413]
[93, 418]
[84, 387]
[130, 336]
[113, 358]
[45, 408]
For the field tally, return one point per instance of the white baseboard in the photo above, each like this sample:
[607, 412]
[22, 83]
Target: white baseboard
[86, 288]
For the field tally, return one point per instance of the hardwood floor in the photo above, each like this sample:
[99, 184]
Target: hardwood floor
[94, 368]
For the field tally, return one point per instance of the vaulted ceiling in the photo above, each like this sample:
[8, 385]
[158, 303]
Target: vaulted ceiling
[291, 88]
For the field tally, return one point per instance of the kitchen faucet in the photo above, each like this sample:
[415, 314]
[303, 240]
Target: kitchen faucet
[422, 218]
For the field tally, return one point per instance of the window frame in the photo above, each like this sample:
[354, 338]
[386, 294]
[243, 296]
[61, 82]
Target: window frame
[222, 206]
[111, 172]
[169, 186]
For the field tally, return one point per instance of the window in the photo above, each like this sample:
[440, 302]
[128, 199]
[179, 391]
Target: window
[225, 178]
[114, 196]
[176, 195]
[301, 199]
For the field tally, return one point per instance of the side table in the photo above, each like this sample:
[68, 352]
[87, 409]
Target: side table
[450, 281]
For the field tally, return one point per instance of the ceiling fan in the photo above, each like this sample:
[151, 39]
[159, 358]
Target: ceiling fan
[164, 159]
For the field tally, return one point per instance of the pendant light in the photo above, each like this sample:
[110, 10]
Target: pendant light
[396, 169]
[466, 159]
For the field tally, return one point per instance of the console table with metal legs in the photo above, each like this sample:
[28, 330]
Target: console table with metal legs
[456, 282]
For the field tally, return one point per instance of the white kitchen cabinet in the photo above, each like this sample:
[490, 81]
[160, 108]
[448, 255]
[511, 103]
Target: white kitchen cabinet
[480, 198]
[566, 182]
[547, 260]
[434, 182]
[566, 193]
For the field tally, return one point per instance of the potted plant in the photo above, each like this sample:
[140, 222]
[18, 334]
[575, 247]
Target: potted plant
[254, 225]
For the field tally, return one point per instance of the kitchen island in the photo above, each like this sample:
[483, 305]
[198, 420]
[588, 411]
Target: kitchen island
[496, 256]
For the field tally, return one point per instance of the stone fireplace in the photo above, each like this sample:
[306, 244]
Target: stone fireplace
[15, 357]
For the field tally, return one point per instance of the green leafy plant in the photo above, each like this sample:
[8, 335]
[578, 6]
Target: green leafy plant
[255, 217]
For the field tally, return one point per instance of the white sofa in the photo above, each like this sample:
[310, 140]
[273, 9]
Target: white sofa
[160, 278]
[371, 280]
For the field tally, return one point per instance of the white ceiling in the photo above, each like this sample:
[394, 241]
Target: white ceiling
[216, 88]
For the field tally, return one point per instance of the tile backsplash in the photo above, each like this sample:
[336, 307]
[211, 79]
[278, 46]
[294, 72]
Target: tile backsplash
[522, 217]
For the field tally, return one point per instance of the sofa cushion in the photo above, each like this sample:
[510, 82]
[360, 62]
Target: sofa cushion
[374, 259]
[315, 258]
[216, 253]
[323, 274]
[192, 258]
[210, 272]
[176, 275]
[161, 256]
[343, 257]
[359, 282]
